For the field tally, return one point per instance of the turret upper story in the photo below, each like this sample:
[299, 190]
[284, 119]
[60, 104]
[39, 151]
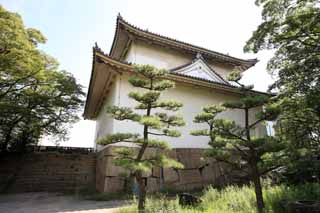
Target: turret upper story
[134, 45]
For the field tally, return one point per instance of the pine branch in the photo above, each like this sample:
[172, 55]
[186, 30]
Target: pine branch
[167, 132]
[145, 98]
[160, 159]
[168, 105]
[153, 122]
[138, 82]
[202, 132]
[117, 137]
[163, 85]
[172, 120]
[232, 164]
[157, 134]
[150, 72]
[123, 113]
[270, 169]
[153, 143]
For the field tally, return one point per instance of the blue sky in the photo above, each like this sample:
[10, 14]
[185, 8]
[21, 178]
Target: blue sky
[72, 27]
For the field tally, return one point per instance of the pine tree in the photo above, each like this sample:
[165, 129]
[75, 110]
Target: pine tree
[291, 28]
[151, 81]
[235, 144]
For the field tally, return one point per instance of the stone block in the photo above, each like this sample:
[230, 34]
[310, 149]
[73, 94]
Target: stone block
[111, 169]
[172, 154]
[210, 172]
[170, 175]
[100, 174]
[156, 172]
[153, 184]
[188, 186]
[114, 184]
[191, 158]
[190, 176]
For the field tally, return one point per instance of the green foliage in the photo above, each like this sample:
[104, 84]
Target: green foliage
[150, 72]
[209, 114]
[299, 126]
[242, 199]
[153, 143]
[249, 101]
[117, 138]
[156, 205]
[235, 76]
[291, 28]
[151, 80]
[163, 85]
[235, 144]
[234, 199]
[201, 132]
[36, 99]
[169, 105]
[151, 121]
[123, 113]
[145, 98]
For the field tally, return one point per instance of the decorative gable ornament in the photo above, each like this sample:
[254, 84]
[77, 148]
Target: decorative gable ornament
[199, 69]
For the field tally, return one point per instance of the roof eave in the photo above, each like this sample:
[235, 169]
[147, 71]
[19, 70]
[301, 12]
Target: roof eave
[124, 67]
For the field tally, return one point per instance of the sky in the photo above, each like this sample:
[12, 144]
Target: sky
[73, 26]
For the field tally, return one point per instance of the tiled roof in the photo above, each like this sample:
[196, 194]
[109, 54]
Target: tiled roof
[177, 44]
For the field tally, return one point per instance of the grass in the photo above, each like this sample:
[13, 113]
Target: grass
[233, 199]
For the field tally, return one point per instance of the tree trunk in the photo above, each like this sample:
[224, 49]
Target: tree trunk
[142, 191]
[257, 188]
[254, 167]
[138, 174]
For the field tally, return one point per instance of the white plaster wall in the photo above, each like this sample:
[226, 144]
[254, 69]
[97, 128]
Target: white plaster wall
[193, 99]
[104, 123]
[143, 53]
[222, 69]
[191, 96]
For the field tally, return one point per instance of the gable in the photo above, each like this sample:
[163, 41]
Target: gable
[199, 69]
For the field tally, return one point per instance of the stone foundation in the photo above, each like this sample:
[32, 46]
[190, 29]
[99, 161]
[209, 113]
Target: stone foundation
[74, 170]
[197, 172]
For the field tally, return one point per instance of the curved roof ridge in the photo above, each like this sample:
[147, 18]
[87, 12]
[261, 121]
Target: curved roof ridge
[121, 20]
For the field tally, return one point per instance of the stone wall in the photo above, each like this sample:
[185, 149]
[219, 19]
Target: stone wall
[69, 172]
[46, 171]
[197, 172]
